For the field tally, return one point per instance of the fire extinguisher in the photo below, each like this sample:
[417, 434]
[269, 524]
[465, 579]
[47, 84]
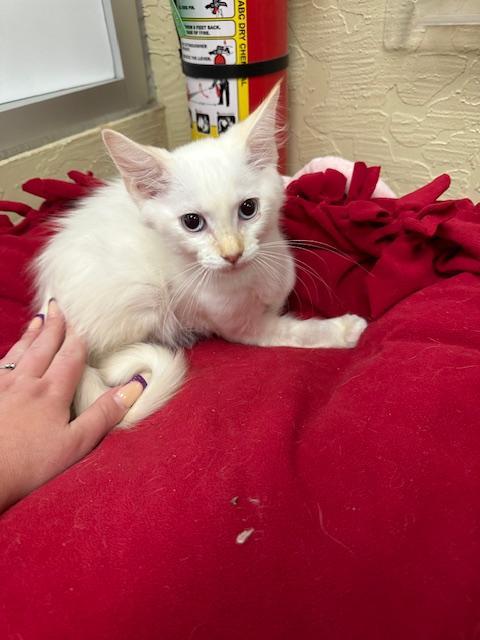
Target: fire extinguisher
[233, 52]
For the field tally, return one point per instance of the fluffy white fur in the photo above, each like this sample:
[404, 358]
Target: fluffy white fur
[138, 285]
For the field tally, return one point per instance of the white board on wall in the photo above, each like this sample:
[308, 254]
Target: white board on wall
[413, 25]
[52, 47]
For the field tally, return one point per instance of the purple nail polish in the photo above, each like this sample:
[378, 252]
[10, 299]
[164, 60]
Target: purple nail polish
[138, 378]
[41, 316]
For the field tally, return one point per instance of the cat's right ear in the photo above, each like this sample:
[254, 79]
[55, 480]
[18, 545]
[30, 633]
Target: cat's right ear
[260, 132]
[143, 169]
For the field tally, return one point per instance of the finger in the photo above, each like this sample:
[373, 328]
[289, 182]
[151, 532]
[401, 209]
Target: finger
[15, 353]
[41, 352]
[67, 366]
[96, 421]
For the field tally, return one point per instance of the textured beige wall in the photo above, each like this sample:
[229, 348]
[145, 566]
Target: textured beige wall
[417, 113]
[163, 45]
[83, 151]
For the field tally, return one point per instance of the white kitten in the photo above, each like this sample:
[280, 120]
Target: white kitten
[187, 244]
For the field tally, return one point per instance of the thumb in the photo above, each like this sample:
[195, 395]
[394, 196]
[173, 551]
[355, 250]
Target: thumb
[106, 412]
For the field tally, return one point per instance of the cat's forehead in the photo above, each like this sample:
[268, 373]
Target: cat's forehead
[210, 166]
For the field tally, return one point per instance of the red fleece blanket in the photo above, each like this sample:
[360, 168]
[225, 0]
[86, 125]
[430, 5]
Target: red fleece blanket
[354, 476]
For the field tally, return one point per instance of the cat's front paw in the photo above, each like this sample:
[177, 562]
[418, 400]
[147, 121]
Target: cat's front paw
[350, 328]
[333, 333]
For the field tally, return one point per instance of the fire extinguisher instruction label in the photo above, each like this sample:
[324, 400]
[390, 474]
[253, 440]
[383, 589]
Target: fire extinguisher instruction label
[212, 104]
[209, 51]
[206, 8]
[216, 34]
[213, 29]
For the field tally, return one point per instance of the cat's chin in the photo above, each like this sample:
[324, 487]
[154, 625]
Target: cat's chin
[228, 268]
[234, 268]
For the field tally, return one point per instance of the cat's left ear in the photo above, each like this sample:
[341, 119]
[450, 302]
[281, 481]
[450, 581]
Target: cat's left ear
[261, 132]
[143, 169]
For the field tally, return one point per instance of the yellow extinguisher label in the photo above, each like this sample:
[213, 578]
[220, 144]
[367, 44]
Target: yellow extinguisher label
[242, 48]
[215, 33]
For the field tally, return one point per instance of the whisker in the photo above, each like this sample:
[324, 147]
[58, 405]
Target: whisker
[188, 285]
[192, 306]
[269, 268]
[275, 258]
[179, 294]
[261, 268]
[308, 245]
[306, 269]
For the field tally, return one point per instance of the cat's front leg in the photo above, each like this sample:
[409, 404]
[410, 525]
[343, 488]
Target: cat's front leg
[287, 331]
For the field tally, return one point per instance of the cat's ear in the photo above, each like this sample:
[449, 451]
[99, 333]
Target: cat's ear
[261, 132]
[143, 169]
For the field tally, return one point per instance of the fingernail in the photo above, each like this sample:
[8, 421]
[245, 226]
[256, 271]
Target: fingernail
[36, 322]
[53, 308]
[130, 393]
[138, 378]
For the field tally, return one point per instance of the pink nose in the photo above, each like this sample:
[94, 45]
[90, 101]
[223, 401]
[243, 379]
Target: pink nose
[233, 257]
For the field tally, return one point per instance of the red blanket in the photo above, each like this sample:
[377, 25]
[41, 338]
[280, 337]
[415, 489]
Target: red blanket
[353, 476]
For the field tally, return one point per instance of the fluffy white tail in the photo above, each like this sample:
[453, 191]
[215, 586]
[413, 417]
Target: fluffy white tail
[162, 369]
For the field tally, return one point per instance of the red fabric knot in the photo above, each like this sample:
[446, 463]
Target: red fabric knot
[364, 181]
[328, 186]
[57, 195]
[365, 254]
[60, 190]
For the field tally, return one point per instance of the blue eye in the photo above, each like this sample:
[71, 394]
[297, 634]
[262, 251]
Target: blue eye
[248, 209]
[193, 222]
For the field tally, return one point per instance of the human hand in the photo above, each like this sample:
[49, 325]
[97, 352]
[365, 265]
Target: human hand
[37, 438]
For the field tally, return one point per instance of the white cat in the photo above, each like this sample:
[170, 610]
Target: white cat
[187, 244]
